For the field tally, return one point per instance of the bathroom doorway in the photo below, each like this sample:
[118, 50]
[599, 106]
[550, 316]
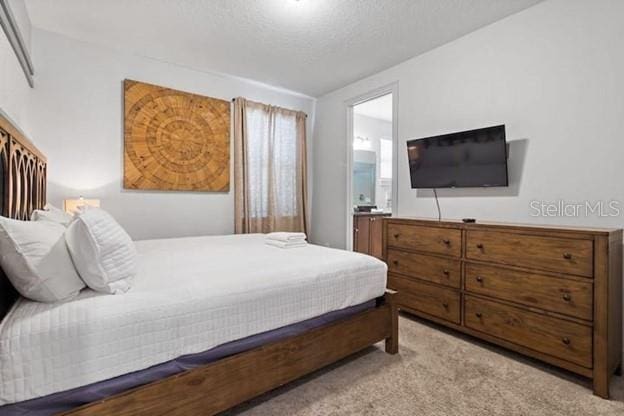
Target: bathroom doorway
[372, 181]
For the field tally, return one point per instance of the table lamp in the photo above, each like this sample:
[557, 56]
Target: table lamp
[72, 206]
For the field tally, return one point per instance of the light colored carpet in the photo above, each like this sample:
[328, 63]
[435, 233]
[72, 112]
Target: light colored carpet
[437, 373]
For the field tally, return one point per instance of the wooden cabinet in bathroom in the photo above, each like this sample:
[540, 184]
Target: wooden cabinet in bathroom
[367, 233]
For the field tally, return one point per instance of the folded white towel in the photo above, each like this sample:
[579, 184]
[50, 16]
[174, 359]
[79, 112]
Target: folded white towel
[286, 237]
[284, 244]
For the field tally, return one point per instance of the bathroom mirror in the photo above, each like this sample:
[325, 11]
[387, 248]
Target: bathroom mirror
[364, 174]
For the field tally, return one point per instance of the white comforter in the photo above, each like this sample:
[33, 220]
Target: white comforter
[191, 294]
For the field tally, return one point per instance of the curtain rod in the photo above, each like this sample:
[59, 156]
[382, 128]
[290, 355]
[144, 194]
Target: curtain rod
[298, 111]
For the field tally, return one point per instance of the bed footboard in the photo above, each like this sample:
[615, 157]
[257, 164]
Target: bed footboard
[223, 384]
[392, 342]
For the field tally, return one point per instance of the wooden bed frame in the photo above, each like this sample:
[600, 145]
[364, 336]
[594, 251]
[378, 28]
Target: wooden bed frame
[217, 386]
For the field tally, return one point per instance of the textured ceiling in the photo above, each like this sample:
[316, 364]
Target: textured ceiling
[309, 46]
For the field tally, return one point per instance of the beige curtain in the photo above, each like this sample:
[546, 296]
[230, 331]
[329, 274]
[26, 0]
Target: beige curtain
[270, 172]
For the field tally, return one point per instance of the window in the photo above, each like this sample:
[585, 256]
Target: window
[385, 158]
[269, 168]
[272, 163]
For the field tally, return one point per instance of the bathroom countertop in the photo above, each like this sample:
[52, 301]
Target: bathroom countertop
[365, 214]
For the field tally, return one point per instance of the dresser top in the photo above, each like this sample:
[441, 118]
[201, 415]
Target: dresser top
[456, 223]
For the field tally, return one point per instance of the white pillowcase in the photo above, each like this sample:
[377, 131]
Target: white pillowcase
[34, 256]
[102, 251]
[52, 213]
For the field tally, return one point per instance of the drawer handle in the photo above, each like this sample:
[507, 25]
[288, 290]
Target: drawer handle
[566, 340]
[567, 256]
[446, 272]
[567, 297]
[479, 315]
[479, 279]
[445, 304]
[397, 235]
[480, 246]
[395, 262]
[446, 241]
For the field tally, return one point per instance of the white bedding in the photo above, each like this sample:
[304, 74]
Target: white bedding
[191, 294]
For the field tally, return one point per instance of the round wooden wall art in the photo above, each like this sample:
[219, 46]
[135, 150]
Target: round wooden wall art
[175, 140]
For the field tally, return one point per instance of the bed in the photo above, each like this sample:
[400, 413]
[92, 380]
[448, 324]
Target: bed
[211, 322]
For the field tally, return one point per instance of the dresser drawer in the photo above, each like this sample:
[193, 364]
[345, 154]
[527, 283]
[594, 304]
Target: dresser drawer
[562, 339]
[445, 241]
[546, 253]
[569, 297]
[427, 298]
[441, 270]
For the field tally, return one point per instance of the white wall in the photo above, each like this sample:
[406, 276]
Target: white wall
[14, 89]
[76, 115]
[552, 74]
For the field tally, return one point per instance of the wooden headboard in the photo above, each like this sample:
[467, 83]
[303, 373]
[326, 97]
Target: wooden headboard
[22, 188]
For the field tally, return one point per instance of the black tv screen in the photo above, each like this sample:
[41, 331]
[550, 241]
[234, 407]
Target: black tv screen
[468, 159]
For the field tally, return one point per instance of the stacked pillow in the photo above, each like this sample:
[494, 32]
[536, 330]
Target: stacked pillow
[52, 257]
[53, 214]
[35, 258]
[103, 252]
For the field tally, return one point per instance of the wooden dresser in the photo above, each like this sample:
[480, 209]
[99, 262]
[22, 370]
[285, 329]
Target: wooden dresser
[552, 293]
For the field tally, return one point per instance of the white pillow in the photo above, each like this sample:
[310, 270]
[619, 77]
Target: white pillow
[34, 256]
[52, 213]
[103, 252]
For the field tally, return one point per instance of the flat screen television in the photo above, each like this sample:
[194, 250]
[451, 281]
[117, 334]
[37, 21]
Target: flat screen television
[468, 159]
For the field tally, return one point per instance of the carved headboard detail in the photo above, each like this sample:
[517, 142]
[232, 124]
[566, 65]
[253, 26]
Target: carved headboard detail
[23, 170]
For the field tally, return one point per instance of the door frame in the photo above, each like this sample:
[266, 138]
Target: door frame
[392, 88]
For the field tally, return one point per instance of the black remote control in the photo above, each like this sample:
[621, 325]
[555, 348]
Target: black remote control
[468, 220]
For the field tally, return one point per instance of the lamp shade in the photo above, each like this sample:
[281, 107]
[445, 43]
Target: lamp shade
[72, 206]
